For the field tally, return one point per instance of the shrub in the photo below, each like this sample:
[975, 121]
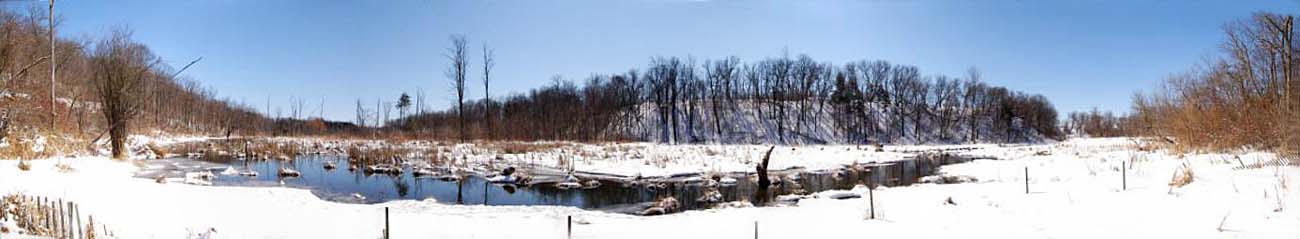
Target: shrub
[157, 150]
[24, 165]
[1182, 176]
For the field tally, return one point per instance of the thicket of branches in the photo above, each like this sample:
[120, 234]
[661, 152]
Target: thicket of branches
[1246, 97]
[868, 101]
[1100, 124]
[149, 89]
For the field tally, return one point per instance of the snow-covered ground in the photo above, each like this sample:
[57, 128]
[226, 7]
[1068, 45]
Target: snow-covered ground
[1075, 192]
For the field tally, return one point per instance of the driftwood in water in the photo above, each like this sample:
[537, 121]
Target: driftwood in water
[763, 182]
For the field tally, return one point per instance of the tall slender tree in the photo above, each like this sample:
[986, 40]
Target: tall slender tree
[487, 96]
[456, 73]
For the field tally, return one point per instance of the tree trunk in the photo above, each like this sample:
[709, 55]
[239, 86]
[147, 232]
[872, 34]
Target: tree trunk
[763, 182]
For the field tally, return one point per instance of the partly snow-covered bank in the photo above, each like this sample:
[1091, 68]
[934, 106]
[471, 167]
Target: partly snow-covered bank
[632, 160]
[1075, 192]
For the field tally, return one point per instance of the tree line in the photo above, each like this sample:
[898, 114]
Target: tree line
[1100, 124]
[1244, 97]
[682, 100]
[111, 86]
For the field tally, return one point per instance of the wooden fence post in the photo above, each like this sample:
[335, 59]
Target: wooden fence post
[48, 211]
[387, 230]
[61, 225]
[40, 208]
[570, 230]
[71, 222]
[1026, 180]
[81, 231]
[1123, 168]
[871, 198]
[755, 229]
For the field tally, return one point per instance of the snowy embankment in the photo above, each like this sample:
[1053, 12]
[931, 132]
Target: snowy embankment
[654, 160]
[1075, 192]
[647, 160]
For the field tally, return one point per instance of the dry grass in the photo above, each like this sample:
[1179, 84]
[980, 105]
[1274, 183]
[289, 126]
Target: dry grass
[65, 168]
[157, 150]
[516, 147]
[24, 165]
[27, 215]
[365, 156]
[1278, 192]
[18, 149]
[1182, 177]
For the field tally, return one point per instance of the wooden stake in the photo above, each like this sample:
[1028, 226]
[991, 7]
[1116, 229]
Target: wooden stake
[871, 198]
[67, 217]
[40, 208]
[387, 230]
[81, 232]
[755, 229]
[60, 225]
[570, 230]
[74, 228]
[1026, 180]
[1123, 168]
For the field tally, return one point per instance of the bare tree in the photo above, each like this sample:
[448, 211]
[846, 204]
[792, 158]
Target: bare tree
[419, 101]
[720, 75]
[971, 89]
[456, 72]
[120, 68]
[361, 114]
[487, 96]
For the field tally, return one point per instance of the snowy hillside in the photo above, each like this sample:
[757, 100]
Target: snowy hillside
[751, 122]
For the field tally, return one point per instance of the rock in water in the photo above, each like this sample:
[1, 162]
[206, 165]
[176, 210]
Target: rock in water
[502, 179]
[510, 170]
[669, 204]
[568, 185]
[420, 172]
[653, 211]
[288, 172]
[229, 171]
[590, 184]
[727, 181]
[710, 196]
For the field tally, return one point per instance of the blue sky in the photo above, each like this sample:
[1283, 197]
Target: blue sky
[1080, 54]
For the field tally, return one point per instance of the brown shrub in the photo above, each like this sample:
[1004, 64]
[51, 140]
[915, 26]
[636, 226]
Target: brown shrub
[1182, 176]
[516, 147]
[24, 165]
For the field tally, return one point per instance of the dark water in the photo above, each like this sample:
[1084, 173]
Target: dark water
[629, 197]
